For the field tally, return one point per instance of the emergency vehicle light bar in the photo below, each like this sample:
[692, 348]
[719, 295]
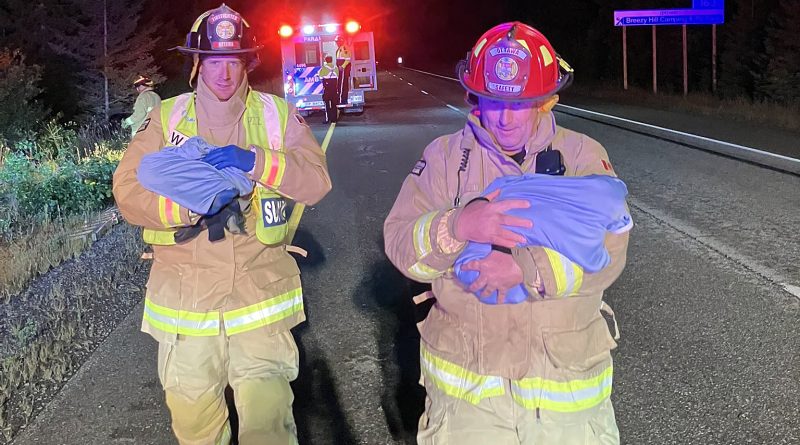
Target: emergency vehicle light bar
[352, 26]
[286, 31]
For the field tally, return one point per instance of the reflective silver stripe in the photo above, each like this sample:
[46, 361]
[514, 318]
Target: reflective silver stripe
[264, 313]
[474, 391]
[181, 323]
[424, 271]
[272, 116]
[423, 227]
[569, 272]
[563, 397]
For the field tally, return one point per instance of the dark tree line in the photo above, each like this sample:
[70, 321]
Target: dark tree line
[86, 52]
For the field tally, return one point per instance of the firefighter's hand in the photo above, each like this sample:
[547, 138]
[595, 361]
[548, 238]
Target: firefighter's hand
[231, 156]
[497, 272]
[486, 221]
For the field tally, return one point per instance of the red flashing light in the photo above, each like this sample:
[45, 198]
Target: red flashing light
[286, 31]
[352, 27]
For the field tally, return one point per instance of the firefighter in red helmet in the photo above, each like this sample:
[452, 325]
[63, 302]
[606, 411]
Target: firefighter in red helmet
[538, 371]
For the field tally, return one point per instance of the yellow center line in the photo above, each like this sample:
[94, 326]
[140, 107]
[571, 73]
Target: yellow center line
[299, 208]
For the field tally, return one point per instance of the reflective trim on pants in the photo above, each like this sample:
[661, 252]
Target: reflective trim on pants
[500, 420]
[532, 393]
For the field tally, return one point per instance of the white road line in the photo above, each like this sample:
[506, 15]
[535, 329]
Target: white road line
[455, 109]
[410, 83]
[423, 92]
[712, 244]
[431, 74]
[654, 127]
[792, 289]
[702, 138]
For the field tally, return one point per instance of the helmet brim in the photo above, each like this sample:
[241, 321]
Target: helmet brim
[461, 70]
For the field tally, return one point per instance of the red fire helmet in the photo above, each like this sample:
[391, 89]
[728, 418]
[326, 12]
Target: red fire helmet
[514, 62]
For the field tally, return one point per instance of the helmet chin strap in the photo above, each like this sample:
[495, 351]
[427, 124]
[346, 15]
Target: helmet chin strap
[549, 105]
[195, 69]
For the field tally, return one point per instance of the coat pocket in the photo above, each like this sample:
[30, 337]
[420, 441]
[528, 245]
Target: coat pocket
[164, 282]
[580, 350]
[265, 274]
[443, 336]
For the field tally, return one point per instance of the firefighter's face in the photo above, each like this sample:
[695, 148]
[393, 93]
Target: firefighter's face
[511, 123]
[223, 75]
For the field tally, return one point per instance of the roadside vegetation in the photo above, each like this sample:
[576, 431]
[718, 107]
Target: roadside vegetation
[55, 178]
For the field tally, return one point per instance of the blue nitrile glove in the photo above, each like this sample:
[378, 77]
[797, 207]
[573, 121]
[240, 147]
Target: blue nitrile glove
[222, 199]
[231, 156]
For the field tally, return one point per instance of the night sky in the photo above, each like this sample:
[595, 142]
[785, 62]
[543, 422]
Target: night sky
[436, 34]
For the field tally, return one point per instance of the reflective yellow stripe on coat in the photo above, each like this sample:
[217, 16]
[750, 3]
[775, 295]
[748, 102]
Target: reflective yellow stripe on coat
[204, 324]
[531, 393]
[568, 275]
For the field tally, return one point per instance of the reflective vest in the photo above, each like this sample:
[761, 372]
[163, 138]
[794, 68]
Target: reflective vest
[262, 112]
[329, 71]
[343, 53]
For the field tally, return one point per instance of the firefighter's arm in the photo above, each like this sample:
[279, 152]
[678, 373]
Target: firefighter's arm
[418, 232]
[139, 111]
[153, 101]
[138, 205]
[300, 172]
[554, 275]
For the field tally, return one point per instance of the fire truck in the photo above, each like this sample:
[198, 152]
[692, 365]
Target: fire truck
[303, 50]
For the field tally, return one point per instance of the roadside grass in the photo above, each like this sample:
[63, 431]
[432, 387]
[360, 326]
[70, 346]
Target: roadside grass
[53, 187]
[37, 250]
[40, 351]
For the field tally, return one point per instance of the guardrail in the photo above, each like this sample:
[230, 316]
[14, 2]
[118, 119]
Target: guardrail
[752, 155]
[93, 230]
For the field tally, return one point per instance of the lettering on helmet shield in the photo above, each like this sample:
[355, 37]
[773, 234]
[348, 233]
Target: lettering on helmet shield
[273, 211]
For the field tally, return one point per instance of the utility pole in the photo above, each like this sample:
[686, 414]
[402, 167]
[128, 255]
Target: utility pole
[105, 56]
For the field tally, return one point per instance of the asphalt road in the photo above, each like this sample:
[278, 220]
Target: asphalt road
[709, 353]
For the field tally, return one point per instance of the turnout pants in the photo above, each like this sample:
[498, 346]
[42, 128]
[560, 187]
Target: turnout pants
[344, 84]
[195, 371]
[330, 95]
[500, 420]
